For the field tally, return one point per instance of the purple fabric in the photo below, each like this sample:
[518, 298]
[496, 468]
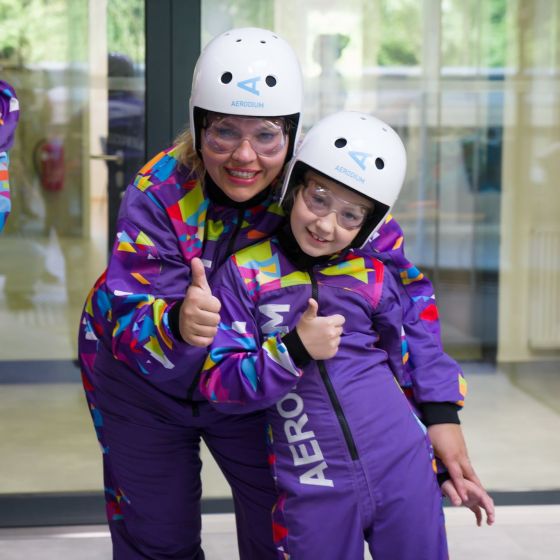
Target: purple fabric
[350, 458]
[9, 115]
[131, 362]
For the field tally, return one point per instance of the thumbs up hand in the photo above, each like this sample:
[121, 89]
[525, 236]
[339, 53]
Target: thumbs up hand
[319, 335]
[199, 316]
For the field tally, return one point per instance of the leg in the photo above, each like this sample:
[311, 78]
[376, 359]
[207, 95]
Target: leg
[325, 524]
[152, 476]
[238, 444]
[409, 522]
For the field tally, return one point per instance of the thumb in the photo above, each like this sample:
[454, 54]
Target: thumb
[198, 275]
[311, 312]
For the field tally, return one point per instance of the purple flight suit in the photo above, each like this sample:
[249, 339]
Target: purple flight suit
[141, 379]
[351, 460]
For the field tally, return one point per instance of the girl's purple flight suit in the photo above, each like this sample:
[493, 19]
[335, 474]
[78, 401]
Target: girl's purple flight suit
[351, 459]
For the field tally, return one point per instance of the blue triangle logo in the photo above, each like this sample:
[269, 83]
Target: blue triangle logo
[250, 85]
[360, 158]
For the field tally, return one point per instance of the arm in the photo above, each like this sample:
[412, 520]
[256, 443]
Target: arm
[146, 278]
[5, 203]
[243, 373]
[436, 380]
[9, 116]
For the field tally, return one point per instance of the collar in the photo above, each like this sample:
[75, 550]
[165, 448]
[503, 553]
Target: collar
[297, 257]
[220, 198]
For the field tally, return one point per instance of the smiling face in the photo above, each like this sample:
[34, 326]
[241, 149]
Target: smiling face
[321, 235]
[241, 173]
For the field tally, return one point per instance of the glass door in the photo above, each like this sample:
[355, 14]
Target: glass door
[78, 70]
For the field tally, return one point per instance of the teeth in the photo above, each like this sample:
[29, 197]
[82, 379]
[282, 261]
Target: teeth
[242, 174]
[316, 237]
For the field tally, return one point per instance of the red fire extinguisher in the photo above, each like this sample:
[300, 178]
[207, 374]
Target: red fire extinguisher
[49, 163]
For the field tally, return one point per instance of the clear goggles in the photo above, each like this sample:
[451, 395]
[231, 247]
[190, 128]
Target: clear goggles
[224, 134]
[322, 202]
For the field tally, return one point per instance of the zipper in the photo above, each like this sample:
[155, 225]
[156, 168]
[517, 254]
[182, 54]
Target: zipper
[190, 393]
[330, 389]
[235, 232]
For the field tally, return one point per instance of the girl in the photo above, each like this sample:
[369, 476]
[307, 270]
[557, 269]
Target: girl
[311, 327]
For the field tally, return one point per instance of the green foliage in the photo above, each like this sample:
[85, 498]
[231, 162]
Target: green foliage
[400, 32]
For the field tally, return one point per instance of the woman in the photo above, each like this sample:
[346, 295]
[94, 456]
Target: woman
[150, 316]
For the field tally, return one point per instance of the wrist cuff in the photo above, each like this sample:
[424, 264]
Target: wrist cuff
[440, 413]
[295, 347]
[173, 319]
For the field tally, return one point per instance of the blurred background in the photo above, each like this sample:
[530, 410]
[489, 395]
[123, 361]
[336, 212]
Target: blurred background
[473, 88]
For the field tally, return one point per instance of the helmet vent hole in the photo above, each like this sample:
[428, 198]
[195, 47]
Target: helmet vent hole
[270, 81]
[379, 163]
[263, 41]
[340, 142]
[238, 40]
[363, 118]
[226, 77]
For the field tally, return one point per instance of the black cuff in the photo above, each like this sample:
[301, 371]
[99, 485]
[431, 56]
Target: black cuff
[442, 477]
[440, 413]
[295, 347]
[173, 320]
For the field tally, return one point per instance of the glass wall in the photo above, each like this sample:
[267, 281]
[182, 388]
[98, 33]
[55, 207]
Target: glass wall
[473, 88]
[78, 70]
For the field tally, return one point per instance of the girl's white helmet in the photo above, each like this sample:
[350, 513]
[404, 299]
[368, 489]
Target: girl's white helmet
[250, 72]
[359, 151]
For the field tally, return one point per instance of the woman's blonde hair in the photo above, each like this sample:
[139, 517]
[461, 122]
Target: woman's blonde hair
[187, 155]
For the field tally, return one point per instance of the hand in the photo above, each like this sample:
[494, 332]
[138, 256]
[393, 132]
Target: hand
[450, 447]
[319, 335]
[477, 500]
[199, 316]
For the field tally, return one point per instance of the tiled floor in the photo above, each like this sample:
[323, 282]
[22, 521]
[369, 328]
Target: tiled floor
[521, 533]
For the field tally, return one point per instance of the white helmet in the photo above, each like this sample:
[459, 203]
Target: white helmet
[360, 152]
[250, 72]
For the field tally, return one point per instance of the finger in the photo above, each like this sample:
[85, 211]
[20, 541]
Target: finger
[478, 514]
[312, 309]
[487, 504]
[449, 490]
[456, 474]
[470, 474]
[338, 320]
[200, 341]
[198, 275]
[203, 318]
[202, 331]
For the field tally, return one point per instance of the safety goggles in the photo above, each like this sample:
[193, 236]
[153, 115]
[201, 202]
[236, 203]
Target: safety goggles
[322, 202]
[224, 134]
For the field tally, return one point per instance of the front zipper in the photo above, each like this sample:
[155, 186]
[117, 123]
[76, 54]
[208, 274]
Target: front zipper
[330, 389]
[190, 393]
[235, 232]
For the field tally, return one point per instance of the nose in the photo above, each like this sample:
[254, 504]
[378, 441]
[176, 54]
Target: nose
[244, 152]
[327, 224]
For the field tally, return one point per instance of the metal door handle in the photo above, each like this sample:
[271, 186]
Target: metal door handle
[117, 158]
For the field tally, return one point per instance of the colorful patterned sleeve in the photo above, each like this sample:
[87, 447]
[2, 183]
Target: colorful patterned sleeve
[146, 276]
[243, 373]
[5, 203]
[429, 373]
[9, 116]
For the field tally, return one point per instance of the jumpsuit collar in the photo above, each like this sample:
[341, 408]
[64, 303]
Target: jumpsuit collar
[218, 197]
[300, 259]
